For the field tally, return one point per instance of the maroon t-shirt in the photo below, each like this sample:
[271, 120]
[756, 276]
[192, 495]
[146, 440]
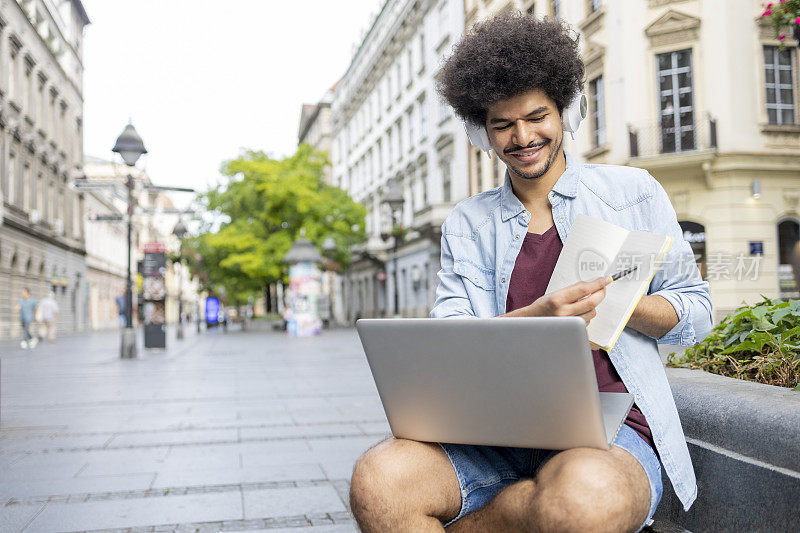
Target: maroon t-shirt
[532, 270]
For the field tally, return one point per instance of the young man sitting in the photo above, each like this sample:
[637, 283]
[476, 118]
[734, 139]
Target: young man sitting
[514, 75]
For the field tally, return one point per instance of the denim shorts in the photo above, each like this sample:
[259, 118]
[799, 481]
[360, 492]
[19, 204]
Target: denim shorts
[483, 471]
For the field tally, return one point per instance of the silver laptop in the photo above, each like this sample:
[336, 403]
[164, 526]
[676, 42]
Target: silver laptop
[524, 382]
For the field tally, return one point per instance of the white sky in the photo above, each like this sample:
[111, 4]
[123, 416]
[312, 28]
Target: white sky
[202, 79]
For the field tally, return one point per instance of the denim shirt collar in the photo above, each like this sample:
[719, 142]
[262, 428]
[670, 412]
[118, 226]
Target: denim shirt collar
[567, 185]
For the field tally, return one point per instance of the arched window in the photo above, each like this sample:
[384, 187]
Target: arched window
[788, 235]
[695, 235]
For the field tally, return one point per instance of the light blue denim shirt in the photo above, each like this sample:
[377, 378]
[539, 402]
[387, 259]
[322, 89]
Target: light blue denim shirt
[483, 235]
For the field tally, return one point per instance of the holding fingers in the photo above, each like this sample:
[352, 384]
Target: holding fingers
[579, 299]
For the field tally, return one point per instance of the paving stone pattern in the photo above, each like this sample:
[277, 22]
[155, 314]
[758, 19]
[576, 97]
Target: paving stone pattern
[220, 432]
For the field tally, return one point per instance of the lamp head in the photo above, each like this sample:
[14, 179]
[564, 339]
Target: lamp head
[394, 198]
[329, 245]
[180, 229]
[129, 145]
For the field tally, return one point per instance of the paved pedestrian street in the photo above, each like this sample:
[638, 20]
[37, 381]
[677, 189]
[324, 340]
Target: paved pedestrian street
[245, 430]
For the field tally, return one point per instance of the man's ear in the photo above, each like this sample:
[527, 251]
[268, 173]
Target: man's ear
[478, 136]
[574, 113]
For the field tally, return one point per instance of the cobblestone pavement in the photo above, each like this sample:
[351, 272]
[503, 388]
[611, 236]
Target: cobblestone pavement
[221, 432]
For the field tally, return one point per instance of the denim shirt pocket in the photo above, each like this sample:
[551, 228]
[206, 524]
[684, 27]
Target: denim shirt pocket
[478, 276]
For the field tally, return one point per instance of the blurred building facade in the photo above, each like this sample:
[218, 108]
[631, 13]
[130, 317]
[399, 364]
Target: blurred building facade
[315, 127]
[41, 149]
[391, 133]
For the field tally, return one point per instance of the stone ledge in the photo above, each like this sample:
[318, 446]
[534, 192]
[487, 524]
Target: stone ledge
[755, 420]
[743, 438]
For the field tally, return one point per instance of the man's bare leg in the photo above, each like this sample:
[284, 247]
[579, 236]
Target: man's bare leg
[582, 489]
[404, 485]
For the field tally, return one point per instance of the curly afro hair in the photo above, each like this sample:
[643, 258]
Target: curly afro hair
[508, 55]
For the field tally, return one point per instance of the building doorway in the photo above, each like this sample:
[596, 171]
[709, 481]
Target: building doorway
[788, 235]
[695, 235]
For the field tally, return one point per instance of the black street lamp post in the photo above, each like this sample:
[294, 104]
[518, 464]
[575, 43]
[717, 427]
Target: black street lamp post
[394, 199]
[130, 146]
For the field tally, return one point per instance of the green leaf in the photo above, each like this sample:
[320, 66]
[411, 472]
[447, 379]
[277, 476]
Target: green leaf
[743, 347]
[741, 312]
[763, 325]
[761, 339]
[760, 312]
[778, 315]
[787, 334]
[736, 337]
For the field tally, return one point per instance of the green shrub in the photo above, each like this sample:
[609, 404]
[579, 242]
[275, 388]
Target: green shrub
[759, 343]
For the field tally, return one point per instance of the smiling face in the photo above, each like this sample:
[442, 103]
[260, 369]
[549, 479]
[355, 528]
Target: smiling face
[526, 134]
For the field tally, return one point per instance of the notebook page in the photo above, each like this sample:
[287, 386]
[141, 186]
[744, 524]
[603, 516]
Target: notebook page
[587, 254]
[644, 250]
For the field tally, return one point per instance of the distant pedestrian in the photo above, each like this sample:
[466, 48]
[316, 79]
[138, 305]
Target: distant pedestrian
[120, 300]
[49, 313]
[26, 308]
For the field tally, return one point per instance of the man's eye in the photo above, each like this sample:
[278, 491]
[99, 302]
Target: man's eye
[503, 127]
[537, 119]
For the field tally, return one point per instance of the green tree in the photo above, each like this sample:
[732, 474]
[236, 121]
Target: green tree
[261, 209]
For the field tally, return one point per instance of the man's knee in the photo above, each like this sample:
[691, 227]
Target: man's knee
[399, 476]
[378, 474]
[583, 493]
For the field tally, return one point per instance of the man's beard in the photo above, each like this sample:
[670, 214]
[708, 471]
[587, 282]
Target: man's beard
[537, 173]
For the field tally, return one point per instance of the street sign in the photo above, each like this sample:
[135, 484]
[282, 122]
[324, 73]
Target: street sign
[756, 247]
[167, 188]
[84, 184]
[162, 211]
[154, 247]
[106, 218]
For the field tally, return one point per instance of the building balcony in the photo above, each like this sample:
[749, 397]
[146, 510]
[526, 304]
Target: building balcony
[658, 139]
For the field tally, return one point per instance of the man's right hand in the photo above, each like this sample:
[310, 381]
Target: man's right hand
[579, 299]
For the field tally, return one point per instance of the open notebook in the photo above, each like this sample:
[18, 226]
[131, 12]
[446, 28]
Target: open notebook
[597, 248]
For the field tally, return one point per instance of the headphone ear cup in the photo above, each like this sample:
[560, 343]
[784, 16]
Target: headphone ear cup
[478, 136]
[574, 113]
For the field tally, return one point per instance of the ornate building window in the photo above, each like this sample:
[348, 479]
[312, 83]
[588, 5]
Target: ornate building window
[555, 8]
[779, 85]
[11, 179]
[676, 116]
[597, 111]
[447, 184]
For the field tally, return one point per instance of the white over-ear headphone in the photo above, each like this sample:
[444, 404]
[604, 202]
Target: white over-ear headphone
[478, 136]
[571, 118]
[574, 113]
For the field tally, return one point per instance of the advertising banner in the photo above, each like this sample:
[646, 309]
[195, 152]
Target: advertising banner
[154, 294]
[302, 313]
[212, 311]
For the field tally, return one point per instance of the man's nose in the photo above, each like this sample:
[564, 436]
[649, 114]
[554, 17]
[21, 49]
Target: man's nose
[523, 133]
